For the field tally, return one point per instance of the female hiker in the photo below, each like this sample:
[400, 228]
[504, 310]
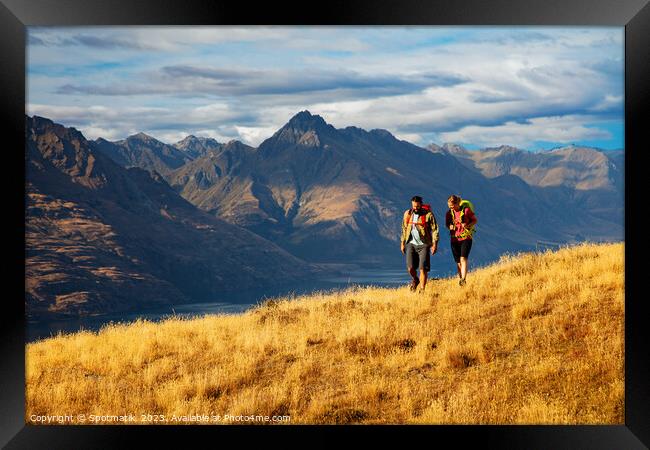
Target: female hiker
[460, 221]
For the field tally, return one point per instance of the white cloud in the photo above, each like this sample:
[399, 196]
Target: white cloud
[212, 113]
[72, 113]
[564, 129]
[412, 138]
[253, 136]
[169, 137]
[608, 102]
[214, 134]
[93, 132]
[182, 38]
[514, 74]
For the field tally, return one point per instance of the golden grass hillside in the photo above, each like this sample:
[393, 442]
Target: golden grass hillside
[531, 339]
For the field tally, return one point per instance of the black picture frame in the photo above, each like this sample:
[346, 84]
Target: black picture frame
[16, 15]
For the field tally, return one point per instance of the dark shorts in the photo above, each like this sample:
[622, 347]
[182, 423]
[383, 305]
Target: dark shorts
[461, 248]
[418, 256]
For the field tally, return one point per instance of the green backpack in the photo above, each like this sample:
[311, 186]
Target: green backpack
[464, 203]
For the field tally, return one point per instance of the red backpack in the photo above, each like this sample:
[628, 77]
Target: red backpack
[423, 217]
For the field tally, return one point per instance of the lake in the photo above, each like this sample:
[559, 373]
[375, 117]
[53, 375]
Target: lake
[228, 303]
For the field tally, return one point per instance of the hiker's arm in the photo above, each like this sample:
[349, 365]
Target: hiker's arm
[402, 246]
[434, 234]
[448, 221]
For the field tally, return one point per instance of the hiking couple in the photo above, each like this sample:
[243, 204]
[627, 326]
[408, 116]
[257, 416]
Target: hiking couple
[420, 236]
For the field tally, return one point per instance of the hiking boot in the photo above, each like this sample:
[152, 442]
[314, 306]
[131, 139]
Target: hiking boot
[461, 282]
[414, 285]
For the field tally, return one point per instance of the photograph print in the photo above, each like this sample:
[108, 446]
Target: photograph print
[325, 225]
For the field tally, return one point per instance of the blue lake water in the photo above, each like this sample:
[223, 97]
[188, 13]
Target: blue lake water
[228, 303]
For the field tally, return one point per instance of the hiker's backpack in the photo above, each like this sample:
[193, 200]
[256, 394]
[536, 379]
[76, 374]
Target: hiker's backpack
[468, 231]
[423, 217]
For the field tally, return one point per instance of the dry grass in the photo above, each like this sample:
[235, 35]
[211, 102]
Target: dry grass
[534, 338]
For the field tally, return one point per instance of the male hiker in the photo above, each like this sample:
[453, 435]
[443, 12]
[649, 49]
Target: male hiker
[460, 221]
[419, 234]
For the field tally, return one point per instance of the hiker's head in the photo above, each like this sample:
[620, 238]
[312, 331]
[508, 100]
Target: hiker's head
[453, 202]
[416, 202]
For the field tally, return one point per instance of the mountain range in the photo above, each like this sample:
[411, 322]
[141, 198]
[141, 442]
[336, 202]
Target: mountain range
[328, 194]
[310, 193]
[580, 168]
[101, 237]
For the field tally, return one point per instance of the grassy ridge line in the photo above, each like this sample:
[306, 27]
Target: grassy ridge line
[533, 338]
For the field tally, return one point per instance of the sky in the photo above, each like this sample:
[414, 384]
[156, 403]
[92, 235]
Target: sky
[534, 88]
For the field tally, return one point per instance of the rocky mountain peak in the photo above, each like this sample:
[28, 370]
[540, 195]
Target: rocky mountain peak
[189, 139]
[42, 125]
[67, 151]
[235, 144]
[505, 149]
[303, 129]
[435, 148]
[454, 148]
[195, 146]
[142, 137]
[306, 120]
[382, 133]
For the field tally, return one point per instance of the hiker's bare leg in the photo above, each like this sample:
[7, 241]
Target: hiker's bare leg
[463, 267]
[414, 273]
[423, 279]
[458, 269]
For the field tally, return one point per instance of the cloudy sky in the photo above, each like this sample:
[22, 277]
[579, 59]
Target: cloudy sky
[530, 87]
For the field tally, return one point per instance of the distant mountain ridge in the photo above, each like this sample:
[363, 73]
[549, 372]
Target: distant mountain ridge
[144, 151]
[196, 147]
[577, 167]
[584, 180]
